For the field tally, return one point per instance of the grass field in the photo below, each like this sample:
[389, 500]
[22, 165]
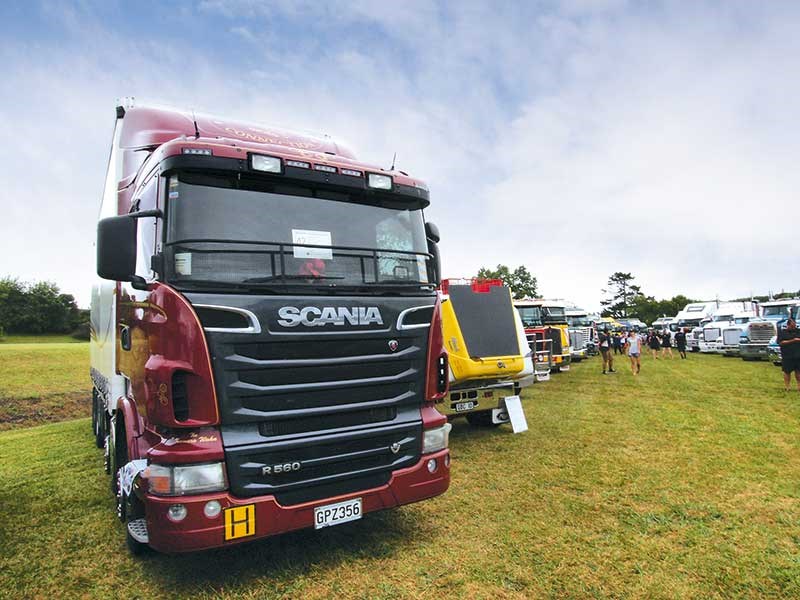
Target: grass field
[682, 483]
[42, 380]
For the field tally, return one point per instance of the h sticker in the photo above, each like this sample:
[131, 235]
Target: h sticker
[240, 521]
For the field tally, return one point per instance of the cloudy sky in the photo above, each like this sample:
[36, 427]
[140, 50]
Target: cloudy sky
[577, 138]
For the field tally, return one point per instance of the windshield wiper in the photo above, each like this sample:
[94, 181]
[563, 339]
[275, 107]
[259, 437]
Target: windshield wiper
[271, 278]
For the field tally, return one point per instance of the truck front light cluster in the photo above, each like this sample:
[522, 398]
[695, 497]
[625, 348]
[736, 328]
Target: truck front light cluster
[436, 439]
[180, 480]
[268, 164]
[379, 182]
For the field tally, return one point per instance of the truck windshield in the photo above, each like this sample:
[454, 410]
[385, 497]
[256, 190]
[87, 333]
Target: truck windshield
[723, 317]
[742, 320]
[689, 322]
[531, 316]
[579, 322]
[554, 314]
[223, 233]
[776, 312]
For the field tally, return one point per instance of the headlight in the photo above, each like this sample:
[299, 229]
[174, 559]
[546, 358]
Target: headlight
[380, 182]
[436, 439]
[744, 339]
[180, 480]
[268, 164]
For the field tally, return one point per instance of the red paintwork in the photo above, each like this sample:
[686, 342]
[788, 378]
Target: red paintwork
[198, 446]
[167, 337]
[436, 350]
[171, 131]
[198, 532]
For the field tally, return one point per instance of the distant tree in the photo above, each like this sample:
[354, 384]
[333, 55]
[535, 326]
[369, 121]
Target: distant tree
[621, 293]
[521, 282]
[648, 309]
[37, 308]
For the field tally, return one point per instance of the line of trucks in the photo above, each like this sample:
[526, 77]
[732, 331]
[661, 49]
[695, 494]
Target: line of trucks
[272, 344]
[745, 329]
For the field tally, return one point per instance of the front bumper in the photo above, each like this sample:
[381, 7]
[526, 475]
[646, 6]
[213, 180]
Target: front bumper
[198, 532]
[757, 351]
[483, 398]
[561, 362]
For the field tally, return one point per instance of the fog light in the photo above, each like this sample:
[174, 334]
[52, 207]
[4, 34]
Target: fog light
[431, 465]
[212, 509]
[447, 461]
[176, 512]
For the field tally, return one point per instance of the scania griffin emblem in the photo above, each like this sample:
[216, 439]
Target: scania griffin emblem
[395, 447]
[393, 345]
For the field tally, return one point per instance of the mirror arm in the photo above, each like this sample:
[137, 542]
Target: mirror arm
[139, 283]
[157, 213]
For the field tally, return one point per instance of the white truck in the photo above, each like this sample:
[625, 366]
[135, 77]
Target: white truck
[755, 338]
[722, 318]
[731, 335]
[580, 331]
[690, 318]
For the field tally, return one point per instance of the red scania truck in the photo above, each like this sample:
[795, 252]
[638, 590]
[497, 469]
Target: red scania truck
[266, 334]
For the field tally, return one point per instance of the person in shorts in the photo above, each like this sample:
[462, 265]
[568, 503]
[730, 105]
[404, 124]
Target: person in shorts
[604, 341]
[654, 343]
[633, 345]
[789, 341]
[666, 344]
[680, 342]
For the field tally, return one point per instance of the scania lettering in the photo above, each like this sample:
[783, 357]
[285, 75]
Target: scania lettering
[311, 316]
[267, 347]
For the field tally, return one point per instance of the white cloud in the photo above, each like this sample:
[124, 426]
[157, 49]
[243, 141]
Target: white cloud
[579, 140]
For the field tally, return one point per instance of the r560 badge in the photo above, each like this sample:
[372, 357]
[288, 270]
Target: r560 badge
[280, 468]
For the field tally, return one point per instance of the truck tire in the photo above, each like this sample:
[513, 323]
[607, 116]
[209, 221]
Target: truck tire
[118, 460]
[481, 419]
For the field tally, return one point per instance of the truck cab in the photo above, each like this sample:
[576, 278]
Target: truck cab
[722, 317]
[581, 332]
[538, 338]
[691, 318]
[266, 338]
[552, 314]
[755, 337]
[731, 335]
[488, 352]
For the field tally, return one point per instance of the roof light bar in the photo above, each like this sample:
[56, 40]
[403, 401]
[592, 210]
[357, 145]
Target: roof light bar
[267, 164]
[379, 182]
[197, 151]
[300, 164]
[325, 168]
[351, 172]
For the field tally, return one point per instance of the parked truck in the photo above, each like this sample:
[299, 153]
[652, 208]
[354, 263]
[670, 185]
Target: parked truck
[267, 345]
[538, 337]
[723, 317]
[581, 332]
[489, 356]
[755, 338]
[692, 319]
[554, 320]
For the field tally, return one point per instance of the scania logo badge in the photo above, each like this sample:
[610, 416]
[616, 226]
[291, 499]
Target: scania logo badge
[395, 447]
[501, 364]
[393, 345]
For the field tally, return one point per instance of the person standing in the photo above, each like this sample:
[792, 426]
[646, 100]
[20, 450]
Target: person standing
[666, 344]
[680, 342]
[654, 344]
[617, 342]
[633, 345]
[789, 341]
[604, 341]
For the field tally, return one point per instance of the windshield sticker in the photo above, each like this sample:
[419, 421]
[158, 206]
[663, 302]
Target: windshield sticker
[422, 267]
[183, 263]
[315, 238]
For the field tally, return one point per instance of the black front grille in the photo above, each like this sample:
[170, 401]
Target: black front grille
[324, 461]
[331, 421]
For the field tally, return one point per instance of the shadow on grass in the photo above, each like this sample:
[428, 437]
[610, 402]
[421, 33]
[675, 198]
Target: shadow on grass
[282, 559]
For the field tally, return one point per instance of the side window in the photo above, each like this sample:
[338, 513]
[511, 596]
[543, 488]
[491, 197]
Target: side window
[146, 234]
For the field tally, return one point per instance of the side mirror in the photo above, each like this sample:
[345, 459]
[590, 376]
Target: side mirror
[116, 248]
[432, 232]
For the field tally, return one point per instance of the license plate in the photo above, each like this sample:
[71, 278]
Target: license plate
[462, 406]
[334, 514]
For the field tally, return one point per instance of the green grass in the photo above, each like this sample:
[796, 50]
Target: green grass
[42, 382]
[682, 483]
[46, 338]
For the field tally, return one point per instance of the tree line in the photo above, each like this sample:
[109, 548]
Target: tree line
[37, 308]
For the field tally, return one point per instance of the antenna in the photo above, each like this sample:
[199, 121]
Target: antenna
[394, 159]
[196, 130]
